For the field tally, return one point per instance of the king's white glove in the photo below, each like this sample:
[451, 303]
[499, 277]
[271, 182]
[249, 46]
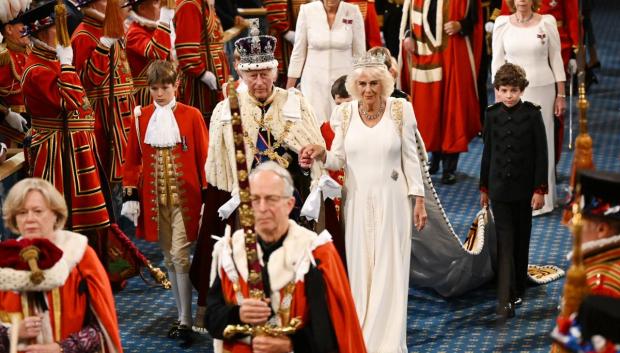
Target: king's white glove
[290, 36]
[572, 66]
[64, 54]
[488, 27]
[131, 210]
[208, 78]
[107, 41]
[16, 121]
[166, 15]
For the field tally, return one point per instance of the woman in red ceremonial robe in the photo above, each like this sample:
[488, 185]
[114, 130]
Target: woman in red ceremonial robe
[79, 316]
[56, 101]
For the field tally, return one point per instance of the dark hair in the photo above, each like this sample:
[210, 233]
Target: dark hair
[385, 51]
[338, 88]
[161, 71]
[510, 75]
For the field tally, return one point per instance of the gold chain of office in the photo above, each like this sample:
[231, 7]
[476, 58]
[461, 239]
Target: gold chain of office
[270, 152]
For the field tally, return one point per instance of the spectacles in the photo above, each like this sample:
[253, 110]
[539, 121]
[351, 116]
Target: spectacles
[270, 200]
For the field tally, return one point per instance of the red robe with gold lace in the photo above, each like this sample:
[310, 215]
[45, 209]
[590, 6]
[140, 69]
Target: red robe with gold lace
[146, 41]
[53, 95]
[92, 62]
[11, 89]
[199, 48]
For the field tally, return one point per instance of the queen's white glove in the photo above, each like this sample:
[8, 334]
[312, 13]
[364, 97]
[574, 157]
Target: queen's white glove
[107, 41]
[290, 36]
[208, 78]
[64, 54]
[131, 210]
[166, 15]
[16, 121]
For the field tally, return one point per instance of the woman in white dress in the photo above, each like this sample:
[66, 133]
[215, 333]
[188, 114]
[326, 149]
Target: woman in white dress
[532, 41]
[375, 141]
[328, 35]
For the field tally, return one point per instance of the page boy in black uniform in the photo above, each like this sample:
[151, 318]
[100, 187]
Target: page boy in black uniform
[513, 175]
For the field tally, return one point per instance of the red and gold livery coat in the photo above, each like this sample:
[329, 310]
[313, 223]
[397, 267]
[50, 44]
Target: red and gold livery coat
[54, 95]
[188, 161]
[199, 47]
[11, 89]
[92, 62]
[146, 41]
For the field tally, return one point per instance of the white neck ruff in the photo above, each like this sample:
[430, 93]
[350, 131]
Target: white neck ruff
[163, 130]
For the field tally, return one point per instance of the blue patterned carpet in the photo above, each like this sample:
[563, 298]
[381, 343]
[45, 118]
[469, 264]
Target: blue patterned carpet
[467, 323]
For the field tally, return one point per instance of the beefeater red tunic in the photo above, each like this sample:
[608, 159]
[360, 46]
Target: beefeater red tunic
[145, 42]
[92, 62]
[199, 48]
[189, 158]
[54, 94]
[443, 71]
[11, 89]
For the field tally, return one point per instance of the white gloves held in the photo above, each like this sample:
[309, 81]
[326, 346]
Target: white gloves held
[107, 41]
[131, 210]
[488, 27]
[572, 66]
[64, 54]
[290, 36]
[208, 78]
[166, 15]
[16, 121]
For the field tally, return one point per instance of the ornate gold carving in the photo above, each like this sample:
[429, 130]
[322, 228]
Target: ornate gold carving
[264, 330]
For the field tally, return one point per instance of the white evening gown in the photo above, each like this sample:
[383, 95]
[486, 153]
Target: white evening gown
[381, 173]
[537, 50]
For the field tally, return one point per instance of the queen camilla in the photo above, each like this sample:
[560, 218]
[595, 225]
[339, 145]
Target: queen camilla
[375, 142]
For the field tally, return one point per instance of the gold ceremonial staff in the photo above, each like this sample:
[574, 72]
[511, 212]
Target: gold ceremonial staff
[246, 218]
[576, 286]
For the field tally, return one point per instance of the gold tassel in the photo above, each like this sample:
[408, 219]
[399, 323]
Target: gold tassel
[113, 24]
[62, 32]
[171, 4]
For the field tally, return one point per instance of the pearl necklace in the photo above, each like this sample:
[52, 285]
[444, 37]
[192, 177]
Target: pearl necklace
[368, 116]
[524, 21]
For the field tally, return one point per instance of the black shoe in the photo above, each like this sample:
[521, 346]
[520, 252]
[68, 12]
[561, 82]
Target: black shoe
[434, 165]
[448, 179]
[174, 330]
[186, 335]
[517, 301]
[506, 312]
